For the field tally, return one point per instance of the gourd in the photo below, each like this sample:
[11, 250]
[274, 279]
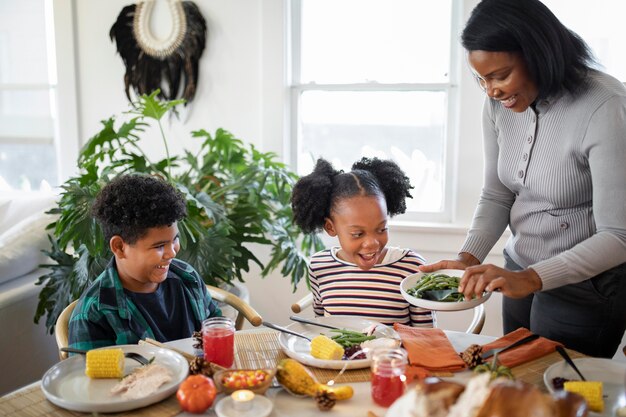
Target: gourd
[299, 380]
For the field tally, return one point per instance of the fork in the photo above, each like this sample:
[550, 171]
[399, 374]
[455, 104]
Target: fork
[314, 323]
[284, 330]
[130, 355]
[569, 361]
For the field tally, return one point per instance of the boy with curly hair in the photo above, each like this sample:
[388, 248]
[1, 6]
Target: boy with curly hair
[144, 291]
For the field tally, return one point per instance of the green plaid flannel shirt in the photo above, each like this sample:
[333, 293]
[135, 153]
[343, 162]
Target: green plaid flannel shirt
[105, 316]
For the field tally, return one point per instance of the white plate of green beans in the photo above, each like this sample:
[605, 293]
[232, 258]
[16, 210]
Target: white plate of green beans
[300, 349]
[438, 291]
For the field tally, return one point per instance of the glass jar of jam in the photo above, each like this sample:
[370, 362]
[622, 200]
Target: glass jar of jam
[388, 379]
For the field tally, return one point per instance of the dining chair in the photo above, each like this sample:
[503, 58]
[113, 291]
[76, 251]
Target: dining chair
[244, 311]
[475, 326]
[61, 328]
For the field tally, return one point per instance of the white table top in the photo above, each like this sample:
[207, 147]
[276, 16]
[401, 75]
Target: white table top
[286, 405]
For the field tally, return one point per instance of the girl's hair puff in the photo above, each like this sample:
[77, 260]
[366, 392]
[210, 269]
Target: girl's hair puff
[315, 194]
[310, 198]
[392, 181]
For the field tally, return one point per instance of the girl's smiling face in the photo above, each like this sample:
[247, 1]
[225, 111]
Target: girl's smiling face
[504, 77]
[360, 224]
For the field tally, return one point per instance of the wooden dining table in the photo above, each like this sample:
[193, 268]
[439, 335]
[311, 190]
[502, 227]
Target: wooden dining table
[259, 348]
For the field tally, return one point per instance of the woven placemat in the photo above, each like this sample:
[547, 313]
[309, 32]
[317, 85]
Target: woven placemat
[263, 350]
[532, 372]
[32, 402]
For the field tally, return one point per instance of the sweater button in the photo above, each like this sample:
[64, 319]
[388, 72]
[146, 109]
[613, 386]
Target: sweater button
[564, 225]
[520, 174]
[525, 157]
[530, 139]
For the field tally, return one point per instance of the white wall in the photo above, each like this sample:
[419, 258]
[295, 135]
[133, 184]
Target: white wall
[242, 89]
[229, 88]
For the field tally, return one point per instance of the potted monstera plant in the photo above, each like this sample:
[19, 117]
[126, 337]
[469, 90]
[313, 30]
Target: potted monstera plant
[236, 196]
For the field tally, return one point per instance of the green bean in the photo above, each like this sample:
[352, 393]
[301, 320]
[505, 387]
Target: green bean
[439, 281]
[349, 338]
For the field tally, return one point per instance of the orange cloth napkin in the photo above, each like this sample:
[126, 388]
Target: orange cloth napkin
[524, 353]
[429, 349]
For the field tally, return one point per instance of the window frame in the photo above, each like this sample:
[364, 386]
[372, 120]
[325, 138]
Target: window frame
[451, 89]
[67, 138]
[61, 87]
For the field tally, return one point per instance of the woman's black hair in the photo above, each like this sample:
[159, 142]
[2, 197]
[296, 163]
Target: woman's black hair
[131, 204]
[557, 58]
[315, 194]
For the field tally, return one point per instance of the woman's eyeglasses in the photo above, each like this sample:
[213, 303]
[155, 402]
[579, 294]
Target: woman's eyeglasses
[492, 82]
[482, 83]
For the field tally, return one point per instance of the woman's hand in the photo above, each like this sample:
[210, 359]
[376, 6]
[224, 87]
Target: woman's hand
[479, 278]
[463, 261]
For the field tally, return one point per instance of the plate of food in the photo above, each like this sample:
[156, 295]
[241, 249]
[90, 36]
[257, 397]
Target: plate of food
[611, 374]
[438, 291]
[66, 384]
[361, 332]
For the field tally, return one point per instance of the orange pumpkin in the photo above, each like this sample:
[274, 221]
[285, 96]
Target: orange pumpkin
[196, 394]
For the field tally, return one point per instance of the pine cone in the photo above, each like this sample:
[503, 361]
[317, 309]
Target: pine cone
[197, 337]
[200, 366]
[471, 356]
[325, 400]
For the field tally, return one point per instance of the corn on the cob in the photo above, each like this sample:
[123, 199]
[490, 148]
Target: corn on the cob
[105, 363]
[591, 390]
[325, 348]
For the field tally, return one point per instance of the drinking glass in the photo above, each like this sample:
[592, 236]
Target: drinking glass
[218, 341]
[388, 379]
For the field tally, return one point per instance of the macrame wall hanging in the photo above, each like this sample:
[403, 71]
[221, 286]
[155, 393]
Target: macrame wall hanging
[160, 64]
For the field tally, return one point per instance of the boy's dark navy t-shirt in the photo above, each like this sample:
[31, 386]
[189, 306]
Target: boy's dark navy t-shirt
[165, 310]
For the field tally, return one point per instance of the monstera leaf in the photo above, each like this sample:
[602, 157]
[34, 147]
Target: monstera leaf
[236, 196]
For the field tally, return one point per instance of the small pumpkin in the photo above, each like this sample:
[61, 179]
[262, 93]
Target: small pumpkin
[296, 378]
[196, 394]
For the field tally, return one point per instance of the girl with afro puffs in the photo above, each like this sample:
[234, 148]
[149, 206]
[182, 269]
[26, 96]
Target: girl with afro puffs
[362, 276]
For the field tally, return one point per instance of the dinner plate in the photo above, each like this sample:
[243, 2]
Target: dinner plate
[66, 385]
[410, 282]
[299, 349]
[611, 373]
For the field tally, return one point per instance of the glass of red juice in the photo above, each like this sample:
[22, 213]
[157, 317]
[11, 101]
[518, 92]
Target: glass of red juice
[218, 341]
[388, 379]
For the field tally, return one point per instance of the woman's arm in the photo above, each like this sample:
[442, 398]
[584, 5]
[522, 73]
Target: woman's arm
[492, 213]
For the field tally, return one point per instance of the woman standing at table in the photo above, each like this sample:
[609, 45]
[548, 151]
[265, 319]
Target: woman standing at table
[554, 132]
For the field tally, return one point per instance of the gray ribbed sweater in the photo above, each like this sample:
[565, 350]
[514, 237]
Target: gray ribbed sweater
[557, 176]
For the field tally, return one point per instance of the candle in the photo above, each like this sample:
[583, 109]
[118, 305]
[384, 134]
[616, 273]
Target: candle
[242, 399]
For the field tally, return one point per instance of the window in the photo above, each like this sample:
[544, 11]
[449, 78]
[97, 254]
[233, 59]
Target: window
[378, 78]
[30, 128]
[605, 32]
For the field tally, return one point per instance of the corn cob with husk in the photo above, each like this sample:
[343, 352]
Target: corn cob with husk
[590, 390]
[325, 348]
[105, 363]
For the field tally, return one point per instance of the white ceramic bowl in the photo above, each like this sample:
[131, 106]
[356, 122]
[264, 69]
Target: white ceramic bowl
[410, 282]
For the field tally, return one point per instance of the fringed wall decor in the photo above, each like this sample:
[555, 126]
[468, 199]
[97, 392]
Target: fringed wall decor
[160, 64]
